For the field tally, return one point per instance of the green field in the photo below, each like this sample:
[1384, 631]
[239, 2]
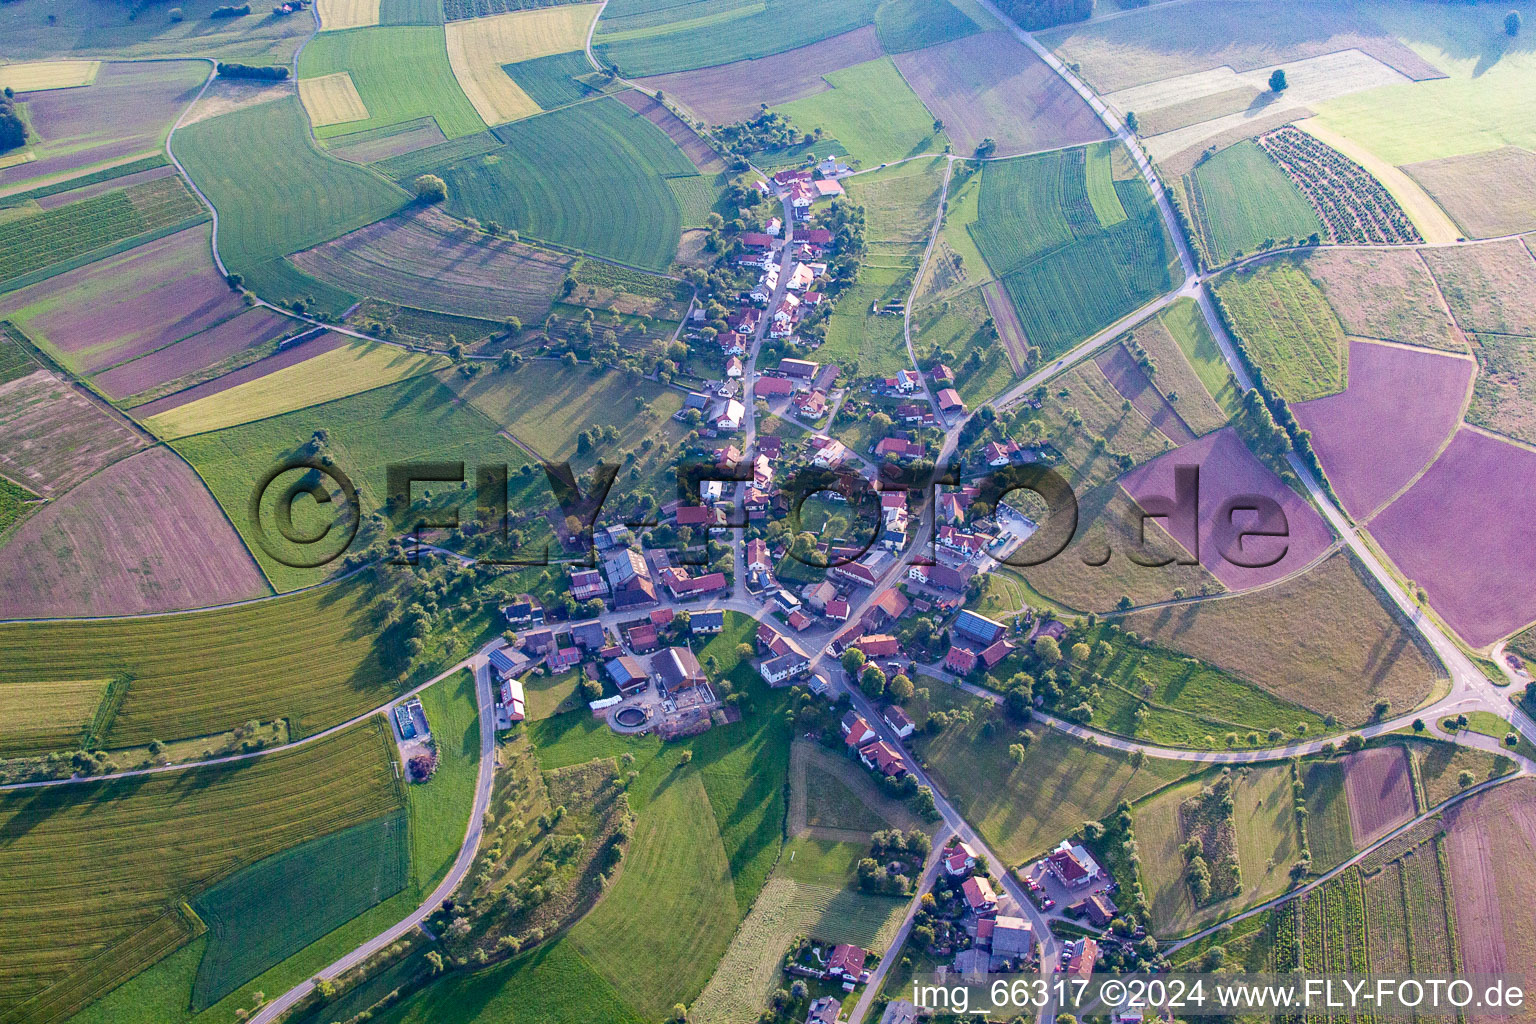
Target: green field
[812, 892]
[871, 341]
[140, 845]
[1323, 639]
[1328, 829]
[553, 983]
[1288, 328]
[1242, 199]
[900, 204]
[50, 237]
[589, 177]
[872, 111]
[200, 673]
[439, 808]
[279, 905]
[285, 197]
[906, 25]
[1190, 332]
[1023, 810]
[1171, 371]
[417, 420]
[1041, 231]
[653, 41]
[955, 326]
[1187, 702]
[1266, 847]
[400, 71]
[1101, 185]
[552, 81]
[44, 716]
[1466, 112]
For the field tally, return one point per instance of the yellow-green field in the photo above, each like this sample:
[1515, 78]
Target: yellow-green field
[33, 76]
[43, 716]
[358, 366]
[1267, 845]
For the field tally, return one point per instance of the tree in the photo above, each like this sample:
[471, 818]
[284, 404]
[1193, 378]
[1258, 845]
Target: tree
[1465, 779]
[872, 681]
[430, 188]
[1512, 23]
[1354, 742]
[1277, 82]
[1131, 124]
[1418, 725]
[853, 660]
[901, 687]
[1048, 650]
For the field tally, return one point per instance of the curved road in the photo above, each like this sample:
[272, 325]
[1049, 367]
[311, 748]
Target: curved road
[461, 865]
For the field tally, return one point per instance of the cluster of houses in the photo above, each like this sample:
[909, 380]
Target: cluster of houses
[802, 187]
[875, 753]
[793, 268]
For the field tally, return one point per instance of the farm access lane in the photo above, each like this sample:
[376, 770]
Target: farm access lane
[461, 865]
[1467, 679]
[924, 884]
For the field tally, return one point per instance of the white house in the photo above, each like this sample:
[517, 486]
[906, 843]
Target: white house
[730, 417]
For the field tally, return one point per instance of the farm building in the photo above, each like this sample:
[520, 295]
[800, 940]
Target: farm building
[1013, 937]
[512, 699]
[1073, 865]
[678, 669]
[979, 628]
[627, 674]
[506, 662]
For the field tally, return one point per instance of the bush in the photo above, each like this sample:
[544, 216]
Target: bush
[231, 12]
[430, 188]
[273, 73]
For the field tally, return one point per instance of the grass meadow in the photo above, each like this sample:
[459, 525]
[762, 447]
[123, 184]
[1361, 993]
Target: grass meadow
[1071, 266]
[294, 198]
[1288, 328]
[905, 25]
[588, 177]
[142, 844]
[1267, 845]
[1023, 810]
[1323, 639]
[872, 111]
[1242, 199]
[377, 58]
[417, 420]
[201, 673]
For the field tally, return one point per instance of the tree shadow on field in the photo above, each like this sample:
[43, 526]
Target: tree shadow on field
[1384, 654]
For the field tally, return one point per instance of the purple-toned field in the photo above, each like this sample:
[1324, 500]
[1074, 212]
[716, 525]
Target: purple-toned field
[125, 112]
[426, 259]
[74, 195]
[52, 436]
[124, 306]
[1348, 428]
[1131, 381]
[202, 350]
[1464, 532]
[1229, 471]
[142, 536]
[689, 141]
[734, 92]
[260, 368]
[992, 85]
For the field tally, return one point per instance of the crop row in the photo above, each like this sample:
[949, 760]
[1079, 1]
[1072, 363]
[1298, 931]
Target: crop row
[89, 867]
[52, 236]
[1353, 205]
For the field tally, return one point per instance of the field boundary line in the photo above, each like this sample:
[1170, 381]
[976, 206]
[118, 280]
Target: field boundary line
[1344, 866]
